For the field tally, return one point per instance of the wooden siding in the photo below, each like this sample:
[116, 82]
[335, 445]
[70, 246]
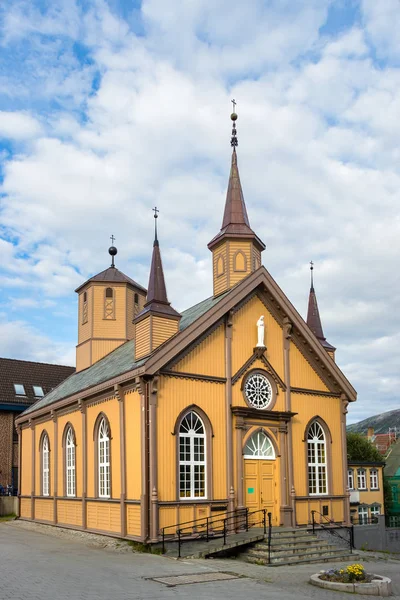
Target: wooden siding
[302, 374]
[109, 328]
[328, 409]
[131, 312]
[221, 281]
[25, 508]
[245, 336]
[111, 409]
[26, 471]
[101, 348]
[173, 396]
[44, 509]
[104, 516]
[83, 354]
[142, 337]
[163, 329]
[69, 512]
[133, 441]
[306, 505]
[234, 247]
[49, 427]
[208, 358]
[85, 329]
[75, 419]
[133, 523]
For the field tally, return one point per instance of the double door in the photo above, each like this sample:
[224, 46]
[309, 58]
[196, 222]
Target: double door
[260, 487]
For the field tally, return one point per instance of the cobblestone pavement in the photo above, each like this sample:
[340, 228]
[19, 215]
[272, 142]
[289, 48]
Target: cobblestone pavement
[45, 563]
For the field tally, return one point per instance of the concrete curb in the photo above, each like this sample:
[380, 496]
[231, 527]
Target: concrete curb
[381, 586]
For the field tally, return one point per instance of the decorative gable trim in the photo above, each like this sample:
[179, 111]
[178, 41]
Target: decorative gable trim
[268, 367]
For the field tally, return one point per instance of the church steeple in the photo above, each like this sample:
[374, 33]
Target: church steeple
[314, 319]
[236, 248]
[158, 321]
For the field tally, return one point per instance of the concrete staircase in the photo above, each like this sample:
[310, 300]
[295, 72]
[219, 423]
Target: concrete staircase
[295, 546]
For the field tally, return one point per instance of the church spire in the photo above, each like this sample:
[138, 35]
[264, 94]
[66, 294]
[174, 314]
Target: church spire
[313, 317]
[236, 248]
[158, 320]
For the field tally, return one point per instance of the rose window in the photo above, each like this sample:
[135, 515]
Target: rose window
[258, 390]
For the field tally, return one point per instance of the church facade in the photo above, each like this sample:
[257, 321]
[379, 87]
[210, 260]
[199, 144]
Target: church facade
[236, 402]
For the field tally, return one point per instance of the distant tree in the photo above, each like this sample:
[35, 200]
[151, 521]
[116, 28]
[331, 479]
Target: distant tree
[388, 496]
[360, 448]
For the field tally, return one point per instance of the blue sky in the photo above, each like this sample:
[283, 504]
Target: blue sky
[108, 108]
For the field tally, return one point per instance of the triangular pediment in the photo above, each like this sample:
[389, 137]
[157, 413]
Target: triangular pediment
[261, 284]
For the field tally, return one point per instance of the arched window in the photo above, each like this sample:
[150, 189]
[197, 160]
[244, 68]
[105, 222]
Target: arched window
[220, 265]
[109, 303]
[239, 261]
[45, 466]
[259, 446]
[316, 453]
[192, 457]
[70, 463]
[136, 298]
[103, 442]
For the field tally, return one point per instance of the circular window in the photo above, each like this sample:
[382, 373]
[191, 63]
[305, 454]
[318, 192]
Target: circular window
[258, 390]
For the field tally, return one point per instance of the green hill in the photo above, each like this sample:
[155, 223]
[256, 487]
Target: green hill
[380, 423]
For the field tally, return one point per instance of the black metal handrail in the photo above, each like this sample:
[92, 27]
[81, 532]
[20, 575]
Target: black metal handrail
[214, 527]
[269, 536]
[332, 531]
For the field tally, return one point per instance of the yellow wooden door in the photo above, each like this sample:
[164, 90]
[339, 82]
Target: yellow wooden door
[259, 484]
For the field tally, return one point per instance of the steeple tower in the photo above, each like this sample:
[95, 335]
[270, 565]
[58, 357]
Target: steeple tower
[314, 320]
[236, 248]
[158, 321]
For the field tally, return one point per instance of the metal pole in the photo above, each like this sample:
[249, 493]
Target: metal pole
[247, 519]
[224, 532]
[179, 543]
[313, 521]
[265, 520]
[207, 529]
[163, 540]
[269, 536]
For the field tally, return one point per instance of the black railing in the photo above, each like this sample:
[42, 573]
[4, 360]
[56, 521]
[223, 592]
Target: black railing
[8, 490]
[220, 526]
[269, 536]
[331, 527]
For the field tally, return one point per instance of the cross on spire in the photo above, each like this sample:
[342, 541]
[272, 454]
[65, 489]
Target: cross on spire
[312, 277]
[156, 211]
[234, 140]
[112, 238]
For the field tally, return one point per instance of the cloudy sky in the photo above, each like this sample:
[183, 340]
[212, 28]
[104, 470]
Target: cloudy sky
[110, 107]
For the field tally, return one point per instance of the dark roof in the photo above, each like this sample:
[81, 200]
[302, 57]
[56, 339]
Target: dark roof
[393, 460]
[235, 222]
[28, 374]
[116, 363]
[157, 300]
[112, 275]
[366, 463]
[314, 320]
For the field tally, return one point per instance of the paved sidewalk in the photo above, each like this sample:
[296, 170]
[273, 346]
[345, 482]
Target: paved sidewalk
[37, 566]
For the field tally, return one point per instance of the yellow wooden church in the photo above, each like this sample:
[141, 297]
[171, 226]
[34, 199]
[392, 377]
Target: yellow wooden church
[235, 402]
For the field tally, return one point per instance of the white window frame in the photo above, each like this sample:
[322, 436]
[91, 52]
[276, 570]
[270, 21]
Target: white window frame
[259, 446]
[41, 391]
[317, 460]
[18, 387]
[45, 466]
[192, 458]
[363, 515]
[375, 510]
[103, 444]
[373, 479]
[70, 462]
[350, 479]
[361, 479]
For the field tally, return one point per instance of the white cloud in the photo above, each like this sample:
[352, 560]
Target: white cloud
[18, 126]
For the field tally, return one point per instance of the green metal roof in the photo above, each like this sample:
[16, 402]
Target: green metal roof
[120, 361]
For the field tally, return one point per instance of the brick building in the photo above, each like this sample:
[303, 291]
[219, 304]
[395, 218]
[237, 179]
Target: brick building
[21, 384]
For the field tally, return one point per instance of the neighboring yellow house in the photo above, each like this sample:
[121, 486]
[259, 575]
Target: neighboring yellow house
[365, 482]
[235, 402]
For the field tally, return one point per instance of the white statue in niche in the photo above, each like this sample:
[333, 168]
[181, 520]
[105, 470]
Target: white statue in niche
[261, 332]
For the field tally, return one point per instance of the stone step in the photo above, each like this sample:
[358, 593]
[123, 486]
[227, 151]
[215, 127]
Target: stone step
[301, 559]
[304, 539]
[256, 551]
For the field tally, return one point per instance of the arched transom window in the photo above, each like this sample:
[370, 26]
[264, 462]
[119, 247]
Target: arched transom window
[192, 457]
[45, 466]
[259, 446]
[70, 463]
[104, 459]
[316, 453]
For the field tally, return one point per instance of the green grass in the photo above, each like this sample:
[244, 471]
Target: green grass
[8, 517]
[145, 548]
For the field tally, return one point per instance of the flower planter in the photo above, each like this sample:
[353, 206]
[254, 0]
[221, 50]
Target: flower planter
[379, 586]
